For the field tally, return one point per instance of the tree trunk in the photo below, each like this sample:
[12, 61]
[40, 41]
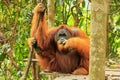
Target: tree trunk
[98, 38]
[51, 12]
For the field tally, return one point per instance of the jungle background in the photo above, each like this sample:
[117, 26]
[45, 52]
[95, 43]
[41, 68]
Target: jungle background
[15, 24]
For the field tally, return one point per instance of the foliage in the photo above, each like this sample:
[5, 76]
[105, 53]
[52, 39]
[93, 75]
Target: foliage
[114, 29]
[15, 23]
[72, 12]
[15, 19]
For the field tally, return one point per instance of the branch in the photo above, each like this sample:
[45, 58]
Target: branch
[114, 4]
[28, 66]
[13, 62]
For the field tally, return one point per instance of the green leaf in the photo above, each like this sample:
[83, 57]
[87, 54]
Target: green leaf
[2, 56]
[118, 21]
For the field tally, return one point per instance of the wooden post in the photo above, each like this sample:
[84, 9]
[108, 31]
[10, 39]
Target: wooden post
[98, 39]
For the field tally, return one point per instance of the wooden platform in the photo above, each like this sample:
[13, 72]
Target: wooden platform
[110, 74]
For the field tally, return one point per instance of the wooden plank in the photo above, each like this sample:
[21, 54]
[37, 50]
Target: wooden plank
[72, 77]
[33, 60]
[111, 74]
[62, 76]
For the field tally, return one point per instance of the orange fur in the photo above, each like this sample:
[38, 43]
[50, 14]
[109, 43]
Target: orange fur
[76, 59]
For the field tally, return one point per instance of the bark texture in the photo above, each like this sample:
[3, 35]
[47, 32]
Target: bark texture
[98, 39]
[51, 14]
